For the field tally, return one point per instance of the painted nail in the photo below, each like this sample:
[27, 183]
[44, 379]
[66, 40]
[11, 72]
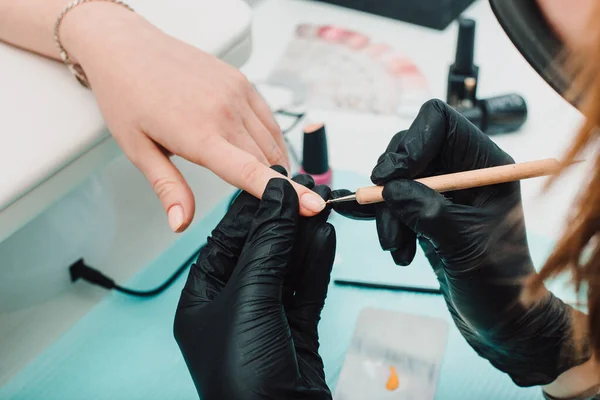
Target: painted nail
[312, 202]
[175, 217]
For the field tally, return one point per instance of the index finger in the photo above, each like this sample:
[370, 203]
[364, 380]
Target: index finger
[263, 112]
[245, 172]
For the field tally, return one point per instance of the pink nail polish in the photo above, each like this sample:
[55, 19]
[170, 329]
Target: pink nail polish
[315, 158]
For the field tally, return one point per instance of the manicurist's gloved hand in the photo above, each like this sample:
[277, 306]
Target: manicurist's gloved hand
[475, 241]
[247, 319]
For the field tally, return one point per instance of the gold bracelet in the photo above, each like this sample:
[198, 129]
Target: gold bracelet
[76, 69]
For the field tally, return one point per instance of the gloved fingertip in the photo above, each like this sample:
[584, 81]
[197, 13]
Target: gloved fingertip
[304, 180]
[385, 246]
[354, 210]
[324, 191]
[280, 169]
[390, 166]
[380, 172]
[405, 255]
[280, 190]
[386, 242]
[336, 194]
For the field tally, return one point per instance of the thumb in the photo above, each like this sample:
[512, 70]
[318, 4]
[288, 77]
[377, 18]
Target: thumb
[423, 210]
[266, 256]
[311, 287]
[169, 185]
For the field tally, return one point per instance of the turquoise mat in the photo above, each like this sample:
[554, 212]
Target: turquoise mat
[124, 348]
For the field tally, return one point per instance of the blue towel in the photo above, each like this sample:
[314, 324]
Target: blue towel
[124, 348]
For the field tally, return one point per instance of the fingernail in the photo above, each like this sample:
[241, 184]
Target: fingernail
[175, 217]
[312, 202]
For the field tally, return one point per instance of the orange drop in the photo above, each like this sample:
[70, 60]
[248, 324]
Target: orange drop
[393, 381]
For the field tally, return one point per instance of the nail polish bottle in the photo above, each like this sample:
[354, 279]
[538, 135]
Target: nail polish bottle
[315, 158]
[463, 74]
[497, 115]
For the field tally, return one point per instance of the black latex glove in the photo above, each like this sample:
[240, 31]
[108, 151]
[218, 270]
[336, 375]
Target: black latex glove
[247, 319]
[474, 240]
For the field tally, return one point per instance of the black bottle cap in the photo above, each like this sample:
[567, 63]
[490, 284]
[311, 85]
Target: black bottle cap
[504, 113]
[496, 115]
[465, 46]
[315, 159]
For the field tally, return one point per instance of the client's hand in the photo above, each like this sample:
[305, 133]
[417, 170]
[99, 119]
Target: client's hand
[476, 243]
[247, 319]
[160, 96]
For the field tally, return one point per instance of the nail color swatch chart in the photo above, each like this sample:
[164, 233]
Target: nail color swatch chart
[329, 67]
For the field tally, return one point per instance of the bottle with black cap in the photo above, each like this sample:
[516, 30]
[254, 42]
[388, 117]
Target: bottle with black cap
[315, 157]
[496, 115]
[463, 74]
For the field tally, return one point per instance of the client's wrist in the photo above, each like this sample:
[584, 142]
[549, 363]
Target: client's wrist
[92, 28]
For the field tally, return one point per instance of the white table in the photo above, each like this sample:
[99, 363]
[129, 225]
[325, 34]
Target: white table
[51, 130]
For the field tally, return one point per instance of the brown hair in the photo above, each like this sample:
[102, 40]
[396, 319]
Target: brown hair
[578, 251]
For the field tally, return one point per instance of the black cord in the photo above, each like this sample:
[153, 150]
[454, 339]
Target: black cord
[79, 270]
[165, 285]
[297, 115]
[397, 288]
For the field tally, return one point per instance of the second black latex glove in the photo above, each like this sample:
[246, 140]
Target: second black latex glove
[247, 319]
[475, 241]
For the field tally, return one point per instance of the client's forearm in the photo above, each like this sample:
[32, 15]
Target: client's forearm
[87, 32]
[29, 24]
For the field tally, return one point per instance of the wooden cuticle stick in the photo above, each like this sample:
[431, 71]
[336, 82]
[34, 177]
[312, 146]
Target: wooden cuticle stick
[465, 180]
